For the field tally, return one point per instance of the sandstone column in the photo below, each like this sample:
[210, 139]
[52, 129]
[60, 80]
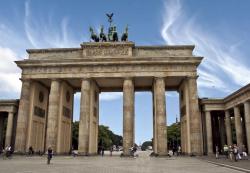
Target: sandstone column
[247, 123]
[83, 144]
[53, 111]
[22, 119]
[195, 117]
[228, 128]
[128, 115]
[160, 116]
[209, 133]
[238, 126]
[8, 135]
[1, 131]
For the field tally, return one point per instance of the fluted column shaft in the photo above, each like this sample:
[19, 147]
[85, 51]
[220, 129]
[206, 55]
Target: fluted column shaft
[238, 126]
[160, 116]
[209, 133]
[247, 123]
[83, 146]
[8, 135]
[195, 117]
[228, 128]
[22, 118]
[128, 115]
[53, 110]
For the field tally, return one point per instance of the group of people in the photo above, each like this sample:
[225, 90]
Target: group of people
[233, 152]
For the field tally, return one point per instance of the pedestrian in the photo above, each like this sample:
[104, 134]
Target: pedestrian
[50, 153]
[225, 150]
[179, 151]
[244, 151]
[231, 155]
[31, 151]
[102, 150]
[216, 152]
[235, 152]
[111, 150]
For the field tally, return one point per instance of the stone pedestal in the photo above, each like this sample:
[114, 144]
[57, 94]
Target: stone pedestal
[228, 128]
[247, 123]
[22, 119]
[8, 135]
[53, 111]
[128, 115]
[160, 117]
[83, 144]
[238, 126]
[209, 133]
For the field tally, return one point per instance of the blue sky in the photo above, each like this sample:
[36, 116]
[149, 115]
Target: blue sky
[218, 29]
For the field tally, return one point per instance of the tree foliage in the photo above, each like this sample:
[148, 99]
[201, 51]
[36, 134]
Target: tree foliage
[145, 145]
[106, 137]
[174, 135]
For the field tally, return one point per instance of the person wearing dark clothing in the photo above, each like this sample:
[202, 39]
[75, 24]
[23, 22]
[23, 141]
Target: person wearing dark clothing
[102, 150]
[50, 152]
[31, 152]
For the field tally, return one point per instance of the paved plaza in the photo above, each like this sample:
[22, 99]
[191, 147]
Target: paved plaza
[107, 164]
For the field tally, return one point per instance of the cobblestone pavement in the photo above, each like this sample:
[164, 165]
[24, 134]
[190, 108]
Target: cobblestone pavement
[107, 164]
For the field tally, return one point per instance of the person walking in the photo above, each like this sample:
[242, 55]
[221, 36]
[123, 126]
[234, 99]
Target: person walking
[235, 152]
[216, 152]
[231, 152]
[102, 150]
[50, 153]
[179, 151]
[244, 152]
[225, 150]
[111, 150]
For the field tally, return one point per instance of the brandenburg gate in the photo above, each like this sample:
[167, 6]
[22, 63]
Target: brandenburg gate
[50, 77]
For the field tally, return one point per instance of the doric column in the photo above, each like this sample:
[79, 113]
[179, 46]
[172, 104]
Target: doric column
[160, 116]
[83, 144]
[238, 126]
[247, 123]
[8, 135]
[22, 118]
[1, 131]
[195, 117]
[128, 115]
[209, 133]
[228, 128]
[53, 110]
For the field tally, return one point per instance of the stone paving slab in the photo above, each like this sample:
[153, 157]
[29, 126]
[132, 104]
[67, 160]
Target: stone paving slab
[244, 163]
[107, 164]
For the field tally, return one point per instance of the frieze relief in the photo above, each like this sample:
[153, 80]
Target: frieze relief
[108, 51]
[110, 68]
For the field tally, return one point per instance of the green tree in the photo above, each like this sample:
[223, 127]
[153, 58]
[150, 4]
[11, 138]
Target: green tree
[145, 145]
[106, 137]
[174, 135]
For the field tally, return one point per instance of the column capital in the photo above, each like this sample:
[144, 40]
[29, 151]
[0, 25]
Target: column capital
[192, 77]
[159, 78]
[128, 78]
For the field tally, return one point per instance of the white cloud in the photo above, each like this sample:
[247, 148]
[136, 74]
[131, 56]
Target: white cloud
[43, 33]
[219, 56]
[9, 73]
[107, 96]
